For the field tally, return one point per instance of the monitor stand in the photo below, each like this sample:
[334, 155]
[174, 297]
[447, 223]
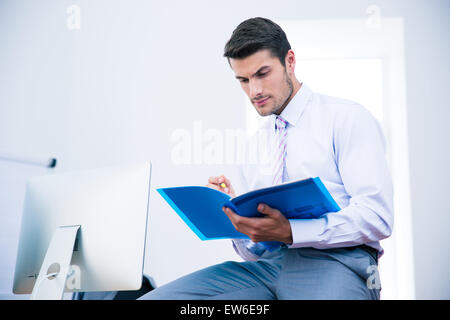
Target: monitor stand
[52, 277]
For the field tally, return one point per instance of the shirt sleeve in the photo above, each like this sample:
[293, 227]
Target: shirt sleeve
[359, 148]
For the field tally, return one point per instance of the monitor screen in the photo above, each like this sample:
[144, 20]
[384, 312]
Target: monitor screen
[109, 204]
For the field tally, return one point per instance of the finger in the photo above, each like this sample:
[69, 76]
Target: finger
[231, 215]
[227, 182]
[240, 223]
[213, 180]
[213, 186]
[221, 181]
[218, 179]
[223, 178]
[267, 210]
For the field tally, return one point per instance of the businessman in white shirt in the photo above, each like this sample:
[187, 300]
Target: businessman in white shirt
[309, 135]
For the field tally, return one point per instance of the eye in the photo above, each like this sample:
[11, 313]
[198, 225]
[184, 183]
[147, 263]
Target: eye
[261, 75]
[243, 80]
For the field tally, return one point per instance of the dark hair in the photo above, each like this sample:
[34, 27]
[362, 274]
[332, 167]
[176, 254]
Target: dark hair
[257, 34]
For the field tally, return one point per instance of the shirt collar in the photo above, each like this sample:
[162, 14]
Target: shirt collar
[295, 107]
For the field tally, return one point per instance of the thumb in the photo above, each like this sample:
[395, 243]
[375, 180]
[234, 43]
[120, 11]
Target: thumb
[268, 211]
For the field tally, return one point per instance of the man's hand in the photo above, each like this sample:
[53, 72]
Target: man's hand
[272, 227]
[221, 183]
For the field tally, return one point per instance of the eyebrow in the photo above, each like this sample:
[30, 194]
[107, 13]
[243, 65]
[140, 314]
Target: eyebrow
[263, 68]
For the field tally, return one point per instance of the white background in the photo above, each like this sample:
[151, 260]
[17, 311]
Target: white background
[114, 91]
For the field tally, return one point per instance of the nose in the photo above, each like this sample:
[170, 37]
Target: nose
[255, 89]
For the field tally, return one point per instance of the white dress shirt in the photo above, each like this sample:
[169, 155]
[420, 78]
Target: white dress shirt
[343, 144]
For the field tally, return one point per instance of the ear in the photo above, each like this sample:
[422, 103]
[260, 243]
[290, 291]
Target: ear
[290, 61]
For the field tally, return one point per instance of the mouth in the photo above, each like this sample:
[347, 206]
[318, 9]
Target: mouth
[261, 102]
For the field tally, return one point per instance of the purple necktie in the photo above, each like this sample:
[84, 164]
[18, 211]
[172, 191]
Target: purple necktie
[280, 151]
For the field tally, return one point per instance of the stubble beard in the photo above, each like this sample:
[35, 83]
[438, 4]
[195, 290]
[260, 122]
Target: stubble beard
[280, 103]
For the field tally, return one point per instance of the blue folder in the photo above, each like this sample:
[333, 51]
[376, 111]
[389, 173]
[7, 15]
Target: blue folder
[201, 207]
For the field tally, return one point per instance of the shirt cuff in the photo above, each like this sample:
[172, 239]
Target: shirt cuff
[240, 246]
[306, 232]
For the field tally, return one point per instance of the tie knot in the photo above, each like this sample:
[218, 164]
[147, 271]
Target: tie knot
[280, 123]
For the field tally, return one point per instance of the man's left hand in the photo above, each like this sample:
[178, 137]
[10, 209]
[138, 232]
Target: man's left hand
[272, 227]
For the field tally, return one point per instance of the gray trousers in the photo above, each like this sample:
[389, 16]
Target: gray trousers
[303, 273]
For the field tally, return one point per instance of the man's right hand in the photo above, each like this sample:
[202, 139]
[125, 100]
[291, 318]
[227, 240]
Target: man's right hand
[221, 183]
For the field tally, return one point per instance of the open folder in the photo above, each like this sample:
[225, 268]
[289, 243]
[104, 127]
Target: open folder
[201, 207]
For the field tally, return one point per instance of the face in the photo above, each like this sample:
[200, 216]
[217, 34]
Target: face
[265, 80]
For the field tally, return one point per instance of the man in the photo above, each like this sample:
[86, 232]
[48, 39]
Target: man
[311, 135]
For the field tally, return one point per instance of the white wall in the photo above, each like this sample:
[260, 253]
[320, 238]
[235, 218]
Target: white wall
[115, 90]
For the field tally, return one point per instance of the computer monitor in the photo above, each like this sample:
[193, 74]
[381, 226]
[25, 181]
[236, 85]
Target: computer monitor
[109, 208]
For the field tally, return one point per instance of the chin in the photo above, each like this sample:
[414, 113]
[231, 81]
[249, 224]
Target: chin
[264, 112]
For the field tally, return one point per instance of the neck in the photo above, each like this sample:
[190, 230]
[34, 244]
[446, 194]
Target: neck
[296, 86]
